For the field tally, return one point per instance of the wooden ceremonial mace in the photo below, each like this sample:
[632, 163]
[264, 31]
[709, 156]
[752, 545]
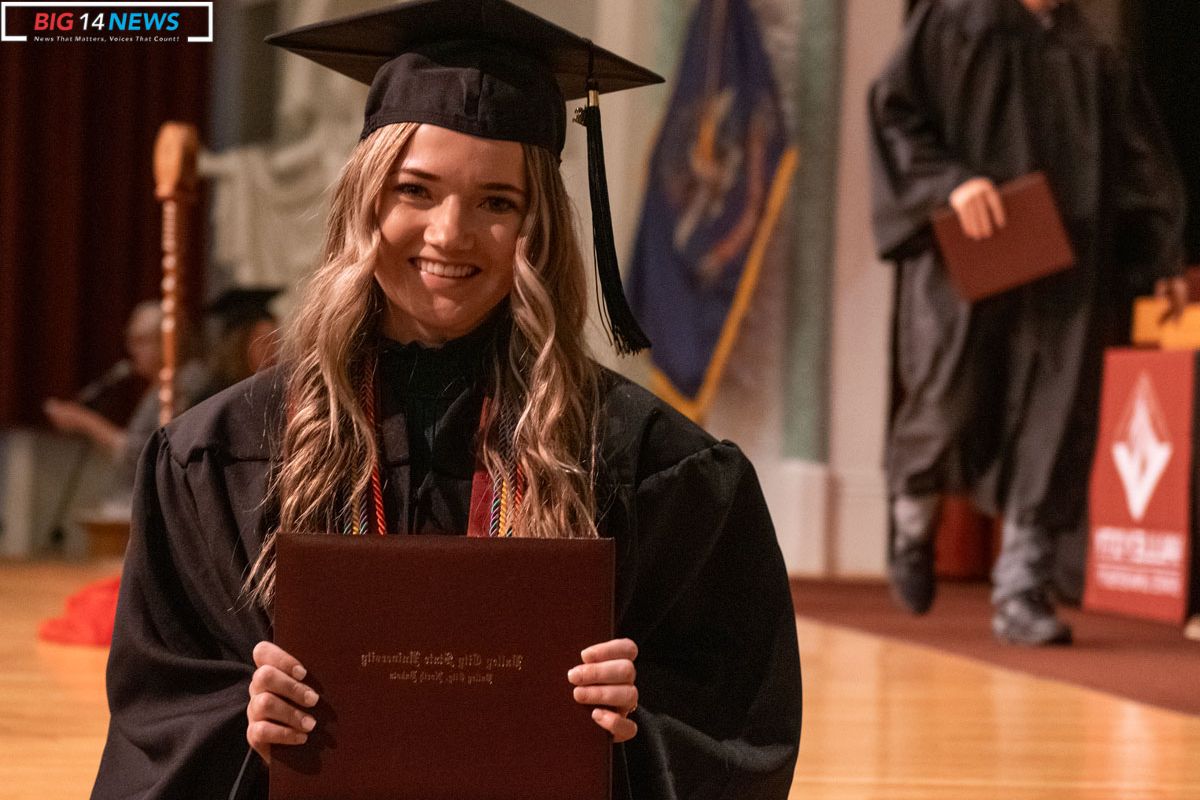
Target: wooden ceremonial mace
[175, 187]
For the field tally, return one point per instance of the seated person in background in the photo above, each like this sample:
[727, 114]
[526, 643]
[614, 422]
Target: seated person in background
[143, 342]
[244, 339]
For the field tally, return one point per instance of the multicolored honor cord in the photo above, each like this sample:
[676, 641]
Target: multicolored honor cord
[494, 499]
[371, 502]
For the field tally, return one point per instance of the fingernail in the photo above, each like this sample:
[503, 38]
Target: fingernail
[596, 714]
[310, 698]
[308, 723]
[298, 672]
[572, 674]
[302, 738]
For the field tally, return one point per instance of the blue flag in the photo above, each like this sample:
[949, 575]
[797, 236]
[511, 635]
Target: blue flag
[719, 176]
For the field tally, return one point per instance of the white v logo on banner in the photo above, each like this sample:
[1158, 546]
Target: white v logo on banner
[1142, 449]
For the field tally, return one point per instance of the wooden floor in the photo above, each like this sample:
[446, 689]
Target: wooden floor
[882, 720]
[890, 721]
[53, 714]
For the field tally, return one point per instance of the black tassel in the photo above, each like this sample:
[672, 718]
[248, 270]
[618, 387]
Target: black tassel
[626, 335]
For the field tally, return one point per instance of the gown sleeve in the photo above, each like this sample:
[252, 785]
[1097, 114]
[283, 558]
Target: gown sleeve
[913, 171]
[1148, 196]
[180, 665]
[709, 606]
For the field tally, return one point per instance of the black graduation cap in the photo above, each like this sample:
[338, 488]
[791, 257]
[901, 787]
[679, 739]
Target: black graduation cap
[486, 68]
[242, 306]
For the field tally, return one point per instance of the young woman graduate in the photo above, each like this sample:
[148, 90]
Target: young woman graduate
[452, 274]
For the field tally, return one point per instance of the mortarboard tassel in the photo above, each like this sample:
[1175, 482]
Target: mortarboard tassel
[627, 336]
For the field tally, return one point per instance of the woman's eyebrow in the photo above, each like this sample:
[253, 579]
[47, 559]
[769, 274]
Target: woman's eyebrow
[491, 186]
[418, 173]
[504, 187]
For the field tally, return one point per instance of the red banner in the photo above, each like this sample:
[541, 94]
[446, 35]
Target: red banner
[1139, 558]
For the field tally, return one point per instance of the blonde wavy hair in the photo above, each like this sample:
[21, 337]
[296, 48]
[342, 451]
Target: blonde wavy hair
[542, 374]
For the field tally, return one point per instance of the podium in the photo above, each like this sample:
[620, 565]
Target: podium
[1142, 554]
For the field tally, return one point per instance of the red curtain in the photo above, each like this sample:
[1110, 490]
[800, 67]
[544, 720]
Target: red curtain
[79, 226]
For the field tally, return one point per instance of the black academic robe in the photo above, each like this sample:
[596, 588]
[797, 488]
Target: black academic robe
[701, 587]
[1000, 396]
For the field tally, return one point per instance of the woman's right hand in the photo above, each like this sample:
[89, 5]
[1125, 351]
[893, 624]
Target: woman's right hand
[275, 712]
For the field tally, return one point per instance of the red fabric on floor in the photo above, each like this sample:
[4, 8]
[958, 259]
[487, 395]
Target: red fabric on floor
[89, 616]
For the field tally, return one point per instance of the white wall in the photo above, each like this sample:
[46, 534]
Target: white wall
[831, 517]
[862, 311]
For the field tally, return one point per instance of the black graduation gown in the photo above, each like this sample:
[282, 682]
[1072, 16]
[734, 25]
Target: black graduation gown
[1000, 397]
[701, 587]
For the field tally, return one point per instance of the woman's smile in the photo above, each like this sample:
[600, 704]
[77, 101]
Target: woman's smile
[443, 269]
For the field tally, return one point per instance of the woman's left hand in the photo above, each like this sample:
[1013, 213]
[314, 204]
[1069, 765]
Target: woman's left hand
[605, 679]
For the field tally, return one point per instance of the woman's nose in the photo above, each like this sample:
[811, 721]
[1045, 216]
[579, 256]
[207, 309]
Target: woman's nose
[449, 226]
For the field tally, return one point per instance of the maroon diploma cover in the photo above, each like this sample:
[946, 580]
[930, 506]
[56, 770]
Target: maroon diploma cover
[441, 663]
[1032, 244]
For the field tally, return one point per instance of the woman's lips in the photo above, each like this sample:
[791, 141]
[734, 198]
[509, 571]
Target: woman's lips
[443, 269]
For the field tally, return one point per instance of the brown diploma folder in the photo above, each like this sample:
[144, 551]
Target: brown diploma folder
[441, 663]
[1032, 245]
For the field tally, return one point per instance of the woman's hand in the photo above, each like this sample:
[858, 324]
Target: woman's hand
[606, 679]
[979, 208]
[275, 712]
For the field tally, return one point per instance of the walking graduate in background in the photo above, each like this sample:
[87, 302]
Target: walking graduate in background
[1000, 397]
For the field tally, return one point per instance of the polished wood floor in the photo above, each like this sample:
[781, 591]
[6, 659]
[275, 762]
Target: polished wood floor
[889, 721]
[883, 720]
[53, 714]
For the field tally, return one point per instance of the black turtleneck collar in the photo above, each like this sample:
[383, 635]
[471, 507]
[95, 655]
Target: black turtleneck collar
[417, 370]
[430, 403]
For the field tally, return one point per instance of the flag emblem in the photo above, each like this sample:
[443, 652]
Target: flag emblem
[718, 179]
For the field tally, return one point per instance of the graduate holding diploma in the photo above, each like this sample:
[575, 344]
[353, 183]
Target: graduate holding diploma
[443, 330]
[998, 398]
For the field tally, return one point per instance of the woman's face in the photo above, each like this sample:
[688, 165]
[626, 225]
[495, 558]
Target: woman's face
[449, 217]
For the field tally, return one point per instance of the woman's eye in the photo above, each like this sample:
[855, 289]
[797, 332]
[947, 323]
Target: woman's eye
[411, 190]
[500, 205]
